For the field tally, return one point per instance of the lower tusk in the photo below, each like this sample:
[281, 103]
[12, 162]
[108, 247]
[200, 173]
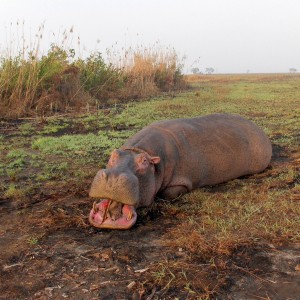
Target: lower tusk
[106, 211]
[95, 208]
[129, 216]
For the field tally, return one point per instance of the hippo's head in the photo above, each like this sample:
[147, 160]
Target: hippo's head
[127, 183]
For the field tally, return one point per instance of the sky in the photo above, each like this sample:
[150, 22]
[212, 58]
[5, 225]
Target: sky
[231, 36]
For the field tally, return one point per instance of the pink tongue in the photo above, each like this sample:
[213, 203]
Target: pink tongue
[126, 221]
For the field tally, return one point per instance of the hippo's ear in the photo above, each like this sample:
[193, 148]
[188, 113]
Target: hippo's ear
[155, 160]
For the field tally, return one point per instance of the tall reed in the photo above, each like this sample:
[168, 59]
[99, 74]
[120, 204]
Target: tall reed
[150, 70]
[34, 83]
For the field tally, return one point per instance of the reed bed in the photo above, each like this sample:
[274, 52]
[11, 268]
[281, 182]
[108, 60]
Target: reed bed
[33, 83]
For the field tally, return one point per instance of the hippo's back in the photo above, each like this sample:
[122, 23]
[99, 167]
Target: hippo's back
[209, 149]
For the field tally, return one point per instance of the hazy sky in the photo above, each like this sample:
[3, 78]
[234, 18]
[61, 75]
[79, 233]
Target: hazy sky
[228, 35]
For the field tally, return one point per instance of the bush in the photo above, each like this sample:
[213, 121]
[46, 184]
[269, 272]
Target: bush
[34, 84]
[151, 70]
[40, 85]
[98, 78]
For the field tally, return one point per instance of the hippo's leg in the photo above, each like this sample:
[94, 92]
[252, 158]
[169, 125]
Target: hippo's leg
[178, 186]
[173, 192]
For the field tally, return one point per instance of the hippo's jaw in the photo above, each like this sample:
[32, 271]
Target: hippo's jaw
[101, 218]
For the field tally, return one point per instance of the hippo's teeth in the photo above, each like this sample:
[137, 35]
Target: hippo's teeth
[129, 216]
[106, 212]
[95, 207]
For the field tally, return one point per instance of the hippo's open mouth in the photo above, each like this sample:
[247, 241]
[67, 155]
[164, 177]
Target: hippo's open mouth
[100, 217]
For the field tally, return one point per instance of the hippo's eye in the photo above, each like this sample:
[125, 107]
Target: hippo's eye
[142, 163]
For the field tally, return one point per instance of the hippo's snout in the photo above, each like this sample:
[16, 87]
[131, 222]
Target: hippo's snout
[111, 178]
[118, 186]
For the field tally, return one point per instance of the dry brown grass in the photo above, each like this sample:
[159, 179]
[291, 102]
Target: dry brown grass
[150, 70]
[231, 78]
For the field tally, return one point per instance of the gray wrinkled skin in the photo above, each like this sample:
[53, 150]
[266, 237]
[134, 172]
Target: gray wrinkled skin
[192, 153]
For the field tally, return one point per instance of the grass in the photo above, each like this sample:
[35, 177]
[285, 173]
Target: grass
[26, 129]
[53, 126]
[13, 192]
[52, 155]
[77, 145]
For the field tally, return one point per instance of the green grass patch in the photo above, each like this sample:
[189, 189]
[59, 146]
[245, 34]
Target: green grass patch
[15, 162]
[17, 154]
[77, 145]
[54, 171]
[53, 127]
[26, 129]
[13, 192]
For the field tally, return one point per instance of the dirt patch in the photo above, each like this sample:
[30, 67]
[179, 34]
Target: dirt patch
[48, 251]
[266, 273]
[75, 261]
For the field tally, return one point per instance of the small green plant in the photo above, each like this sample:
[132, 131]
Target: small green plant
[26, 128]
[16, 163]
[53, 127]
[13, 173]
[13, 192]
[32, 241]
[56, 171]
[2, 168]
[162, 274]
[16, 154]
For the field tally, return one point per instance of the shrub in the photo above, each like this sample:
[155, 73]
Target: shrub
[99, 78]
[151, 70]
[35, 84]
[43, 85]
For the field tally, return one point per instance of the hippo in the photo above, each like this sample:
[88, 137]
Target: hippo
[172, 157]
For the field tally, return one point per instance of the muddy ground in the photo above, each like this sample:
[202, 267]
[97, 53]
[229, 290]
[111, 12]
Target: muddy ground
[75, 261]
[87, 263]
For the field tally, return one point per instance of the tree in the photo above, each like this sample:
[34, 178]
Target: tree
[209, 70]
[195, 70]
[293, 70]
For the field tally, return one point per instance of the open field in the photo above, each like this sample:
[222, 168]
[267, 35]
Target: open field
[237, 240]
